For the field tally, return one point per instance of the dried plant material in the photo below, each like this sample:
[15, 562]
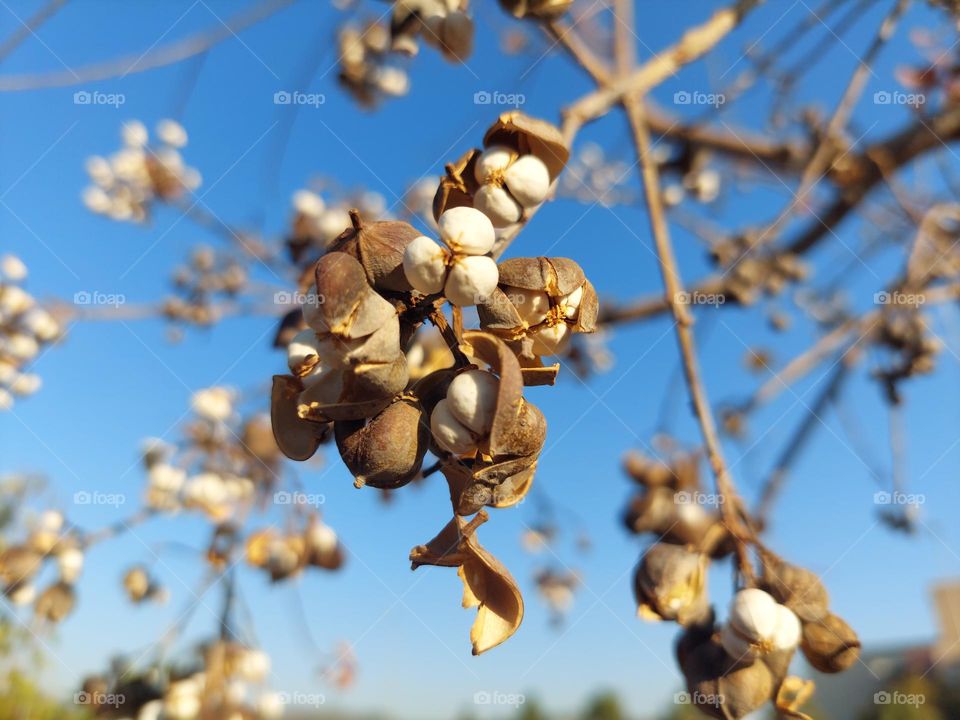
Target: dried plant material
[379, 248]
[830, 644]
[720, 686]
[793, 694]
[670, 584]
[536, 9]
[797, 588]
[55, 603]
[487, 585]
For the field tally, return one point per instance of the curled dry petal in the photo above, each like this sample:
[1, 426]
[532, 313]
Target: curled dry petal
[296, 438]
[487, 585]
[458, 185]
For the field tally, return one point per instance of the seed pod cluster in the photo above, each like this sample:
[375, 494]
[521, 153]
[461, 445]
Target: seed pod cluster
[509, 179]
[126, 184]
[25, 329]
[460, 268]
[366, 70]
[318, 223]
[540, 303]
[443, 24]
[203, 282]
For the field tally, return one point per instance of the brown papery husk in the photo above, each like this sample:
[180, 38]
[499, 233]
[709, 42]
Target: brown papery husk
[539, 9]
[796, 587]
[297, 438]
[536, 373]
[737, 689]
[830, 645]
[500, 316]
[515, 488]
[513, 422]
[458, 185]
[653, 511]
[589, 309]
[342, 284]
[359, 391]
[387, 452]
[379, 248]
[554, 276]
[667, 573]
[379, 346]
[530, 135]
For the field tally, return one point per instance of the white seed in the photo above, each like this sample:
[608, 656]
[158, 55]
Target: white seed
[392, 81]
[41, 323]
[737, 647]
[215, 403]
[308, 203]
[15, 300]
[6, 400]
[528, 180]
[424, 264]
[551, 340]
[302, 349]
[472, 398]
[532, 305]
[12, 268]
[467, 231]
[570, 304]
[50, 521]
[270, 706]
[321, 538]
[754, 614]
[21, 347]
[134, 134]
[8, 371]
[23, 594]
[254, 665]
[472, 280]
[25, 384]
[492, 161]
[788, 632]
[172, 133]
[496, 203]
[449, 432]
[70, 564]
[331, 223]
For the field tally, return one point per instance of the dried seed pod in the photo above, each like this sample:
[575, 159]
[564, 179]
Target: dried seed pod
[510, 184]
[830, 644]
[298, 439]
[458, 184]
[797, 588]
[387, 451]
[55, 603]
[530, 136]
[653, 511]
[536, 9]
[136, 582]
[323, 547]
[379, 248]
[723, 688]
[670, 584]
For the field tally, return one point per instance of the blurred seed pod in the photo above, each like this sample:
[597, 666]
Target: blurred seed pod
[797, 588]
[55, 603]
[830, 644]
[670, 584]
[722, 688]
[529, 135]
[323, 547]
[536, 9]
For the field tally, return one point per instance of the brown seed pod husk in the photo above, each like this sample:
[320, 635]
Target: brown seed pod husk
[55, 603]
[648, 471]
[19, 563]
[830, 644]
[515, 488]
[536, 373]
[258, 440]
[555, 276]
[530, 135]
[386, 452]
[537, 9]
[296, 438]
[458, 184]
[720, 687]
[379, 248]
[589, 310]
[653, 511]
[669, 583]
[291, 324]
[341, 285]
[358, 391]
[796, 587]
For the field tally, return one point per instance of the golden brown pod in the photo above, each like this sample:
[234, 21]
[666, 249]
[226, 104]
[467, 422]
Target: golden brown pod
[830, 644]
[297, 438]
[378, 247]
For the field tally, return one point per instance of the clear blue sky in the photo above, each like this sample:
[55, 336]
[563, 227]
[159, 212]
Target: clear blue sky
[111, 384]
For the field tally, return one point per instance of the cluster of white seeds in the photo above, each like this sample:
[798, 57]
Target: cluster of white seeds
[509, 184]
[448, 28]
[553, 334]
[126, 183]
[461, 267]
[25, 328]
[463, 419]
[758, 625]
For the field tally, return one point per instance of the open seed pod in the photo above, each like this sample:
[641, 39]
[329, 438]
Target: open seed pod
[378, 247]
[829, 644]
[297, 438]
[347, 306]
[386, 452]
[797, 588]
[541, 302]
[487, 585]
[722, 688]
[526, 134]
[653, 511]
[670, 584]
[458, 184]
[537, 9]
[55, 603]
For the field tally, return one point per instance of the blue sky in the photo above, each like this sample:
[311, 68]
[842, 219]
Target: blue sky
[113, 383]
